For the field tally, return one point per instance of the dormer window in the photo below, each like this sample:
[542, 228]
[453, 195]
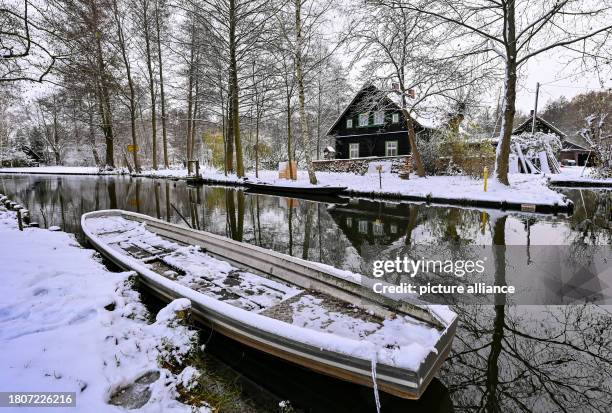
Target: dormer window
[363, 119]
[379, 117]
[349, 123]
[395, 118]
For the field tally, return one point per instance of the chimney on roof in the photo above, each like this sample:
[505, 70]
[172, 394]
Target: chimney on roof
[395, 86]
[411, 93]
[531, 113]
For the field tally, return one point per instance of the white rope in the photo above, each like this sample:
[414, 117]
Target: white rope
[375, 386]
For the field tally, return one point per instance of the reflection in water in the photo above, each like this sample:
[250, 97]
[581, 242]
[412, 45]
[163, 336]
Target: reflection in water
[505, 358]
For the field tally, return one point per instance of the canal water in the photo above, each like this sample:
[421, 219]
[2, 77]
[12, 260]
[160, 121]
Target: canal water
[505, 358]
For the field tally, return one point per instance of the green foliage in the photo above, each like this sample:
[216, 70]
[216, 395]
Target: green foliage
[214, 142]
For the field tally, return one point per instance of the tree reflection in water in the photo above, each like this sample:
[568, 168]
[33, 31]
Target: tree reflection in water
[530, 358]
[505, 358]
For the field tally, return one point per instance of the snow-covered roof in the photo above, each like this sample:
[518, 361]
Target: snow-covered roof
[578, 141]
[424, 119]
[549, 125]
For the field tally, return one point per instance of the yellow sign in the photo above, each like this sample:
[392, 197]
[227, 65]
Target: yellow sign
[132, 148]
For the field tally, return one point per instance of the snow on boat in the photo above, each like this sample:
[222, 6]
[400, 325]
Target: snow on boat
[295, 188]
[311, 314]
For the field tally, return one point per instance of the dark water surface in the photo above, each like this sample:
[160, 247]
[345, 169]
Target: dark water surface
[505, 358]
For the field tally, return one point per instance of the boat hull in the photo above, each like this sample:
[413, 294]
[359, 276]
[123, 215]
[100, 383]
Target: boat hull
[403, 383]
[312, 191]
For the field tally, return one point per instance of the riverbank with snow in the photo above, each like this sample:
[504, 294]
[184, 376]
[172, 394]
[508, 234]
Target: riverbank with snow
[578, 176]
[67, 324]
[525, 190]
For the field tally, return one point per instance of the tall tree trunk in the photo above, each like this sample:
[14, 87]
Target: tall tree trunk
[319, 114]
[416, 155]
[92, 138]
[503, 146]
[190, 97]
[289, 145]
[56, 139]
[306, 143]
[161, 86]
[104, 102]
[257, 120]
[132, 98]
[195, 115]
[235, 113]
[229, 149]
[147, 35]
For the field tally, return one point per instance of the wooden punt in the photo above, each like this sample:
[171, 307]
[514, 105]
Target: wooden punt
[307, 313]
[295, 189]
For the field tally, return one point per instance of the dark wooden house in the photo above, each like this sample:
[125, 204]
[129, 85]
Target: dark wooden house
[373, 125]
[574, 148]
[541, 125]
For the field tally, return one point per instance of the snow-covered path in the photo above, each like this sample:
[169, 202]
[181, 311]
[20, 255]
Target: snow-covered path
[68, 324]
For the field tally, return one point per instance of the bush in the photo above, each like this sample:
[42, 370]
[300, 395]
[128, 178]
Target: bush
[457, 155]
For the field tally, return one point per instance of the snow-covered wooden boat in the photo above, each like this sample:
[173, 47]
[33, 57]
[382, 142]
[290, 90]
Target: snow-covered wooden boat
[308, 313]
[295, 188]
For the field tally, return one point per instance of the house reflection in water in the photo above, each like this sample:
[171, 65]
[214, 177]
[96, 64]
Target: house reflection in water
[371, 223]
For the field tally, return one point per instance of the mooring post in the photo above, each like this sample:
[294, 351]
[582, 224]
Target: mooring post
[19, 221]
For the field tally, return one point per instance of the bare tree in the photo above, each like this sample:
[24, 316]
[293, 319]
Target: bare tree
[409, 49]
[160, 23]
[516, 31]
[145, 14]
[25, 53]
[123, 48]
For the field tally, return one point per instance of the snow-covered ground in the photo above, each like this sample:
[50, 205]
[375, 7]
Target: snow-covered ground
[59, 170]
[68, 324]
[578, 174]
[524, 188]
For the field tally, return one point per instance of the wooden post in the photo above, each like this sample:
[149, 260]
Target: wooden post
[535, 110]
[19, 221]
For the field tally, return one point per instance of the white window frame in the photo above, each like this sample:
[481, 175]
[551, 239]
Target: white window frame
[352, 147]
[364, 119]
[387, 148]
[349, 123]
[379, 117]
[378, 228]
[395, 118]
[363, 226]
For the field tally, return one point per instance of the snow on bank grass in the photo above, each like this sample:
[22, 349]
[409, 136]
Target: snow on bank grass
[578, 174]
[61, 170]
[524, 188]
[67, 324]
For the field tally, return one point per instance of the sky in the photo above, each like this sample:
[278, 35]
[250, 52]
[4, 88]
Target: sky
[555, 81]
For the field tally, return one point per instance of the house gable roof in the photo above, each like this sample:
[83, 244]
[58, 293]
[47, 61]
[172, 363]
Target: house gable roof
[390, 101]
[523, 127]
